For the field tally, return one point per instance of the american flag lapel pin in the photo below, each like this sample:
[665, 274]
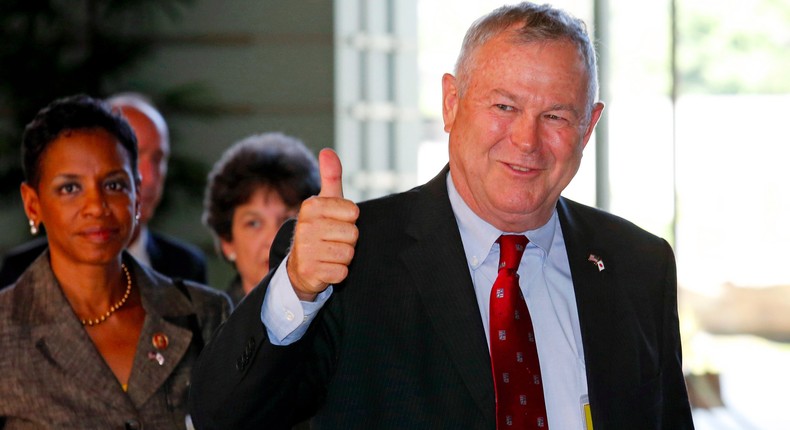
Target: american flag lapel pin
[597, 261]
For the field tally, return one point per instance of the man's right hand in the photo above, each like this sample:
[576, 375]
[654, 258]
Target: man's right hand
[325, 234]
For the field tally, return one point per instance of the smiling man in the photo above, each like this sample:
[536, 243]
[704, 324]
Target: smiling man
[482, 299]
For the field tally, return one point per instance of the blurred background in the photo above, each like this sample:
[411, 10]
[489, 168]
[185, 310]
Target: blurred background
[693, 145]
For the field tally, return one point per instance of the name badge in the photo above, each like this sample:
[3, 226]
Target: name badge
[586, 412]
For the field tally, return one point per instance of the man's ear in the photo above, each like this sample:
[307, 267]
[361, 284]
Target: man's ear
[449, 100]
[595, 115]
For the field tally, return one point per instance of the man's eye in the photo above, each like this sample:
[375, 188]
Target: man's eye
[505, 108]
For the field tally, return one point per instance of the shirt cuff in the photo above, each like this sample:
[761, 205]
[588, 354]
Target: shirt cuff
[285, 316]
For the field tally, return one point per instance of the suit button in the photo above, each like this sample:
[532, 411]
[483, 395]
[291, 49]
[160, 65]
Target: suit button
[240, 364]
[133, 425]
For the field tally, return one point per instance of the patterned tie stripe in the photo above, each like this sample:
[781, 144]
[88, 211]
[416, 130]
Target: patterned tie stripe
[514, 355]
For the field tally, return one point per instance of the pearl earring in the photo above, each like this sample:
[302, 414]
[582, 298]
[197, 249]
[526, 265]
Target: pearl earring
[232, 256]
[33, 227]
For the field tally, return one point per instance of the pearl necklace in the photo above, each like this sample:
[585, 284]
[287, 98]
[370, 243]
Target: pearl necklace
[115, 307]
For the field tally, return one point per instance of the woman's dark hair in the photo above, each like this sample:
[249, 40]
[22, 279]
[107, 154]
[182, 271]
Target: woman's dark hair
[273, 160]
[79, 112]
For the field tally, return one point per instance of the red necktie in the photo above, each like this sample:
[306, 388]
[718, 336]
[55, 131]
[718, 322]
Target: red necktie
[514, 355]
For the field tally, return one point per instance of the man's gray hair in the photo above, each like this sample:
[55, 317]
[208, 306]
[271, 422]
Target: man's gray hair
[539, 23]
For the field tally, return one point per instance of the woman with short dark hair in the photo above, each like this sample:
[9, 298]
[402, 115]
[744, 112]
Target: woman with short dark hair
[89, 337]
[257, 184]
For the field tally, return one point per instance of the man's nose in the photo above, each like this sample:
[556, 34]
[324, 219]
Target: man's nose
[524, 132]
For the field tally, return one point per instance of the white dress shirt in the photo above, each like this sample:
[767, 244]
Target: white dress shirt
[545, 282]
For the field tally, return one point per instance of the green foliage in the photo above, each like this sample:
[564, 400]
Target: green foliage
[734, 46]
[51, 49]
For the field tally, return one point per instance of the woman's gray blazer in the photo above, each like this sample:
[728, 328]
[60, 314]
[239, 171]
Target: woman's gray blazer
[52, 375]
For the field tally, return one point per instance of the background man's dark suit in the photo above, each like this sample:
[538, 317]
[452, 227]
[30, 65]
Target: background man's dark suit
[169, 257]
[400, 343]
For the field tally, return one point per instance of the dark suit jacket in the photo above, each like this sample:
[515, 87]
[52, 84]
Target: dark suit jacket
[400, 344]
[52, 376]
[169, 257]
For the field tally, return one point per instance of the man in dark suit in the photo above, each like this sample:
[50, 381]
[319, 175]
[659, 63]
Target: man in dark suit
[165, 254]
[379, 315]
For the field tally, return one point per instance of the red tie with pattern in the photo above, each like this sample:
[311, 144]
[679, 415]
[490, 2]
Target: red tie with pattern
[514, 355]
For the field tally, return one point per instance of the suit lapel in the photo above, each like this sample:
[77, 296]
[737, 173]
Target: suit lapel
[595, 294]
[153, 365]
[446, 288]
[59, 337]
[590, 282]
[167, 318]
[57, 334]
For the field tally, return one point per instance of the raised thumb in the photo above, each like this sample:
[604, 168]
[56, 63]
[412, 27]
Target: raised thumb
[331, 172]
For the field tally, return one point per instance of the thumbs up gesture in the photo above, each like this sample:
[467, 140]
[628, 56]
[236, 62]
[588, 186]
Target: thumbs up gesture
[325, 234]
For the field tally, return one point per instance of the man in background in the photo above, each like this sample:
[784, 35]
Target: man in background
[165, 254]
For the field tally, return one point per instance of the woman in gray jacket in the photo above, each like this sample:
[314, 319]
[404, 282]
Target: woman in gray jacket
[91, 339]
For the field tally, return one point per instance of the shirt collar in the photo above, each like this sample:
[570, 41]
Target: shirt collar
[478, 236]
